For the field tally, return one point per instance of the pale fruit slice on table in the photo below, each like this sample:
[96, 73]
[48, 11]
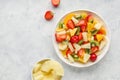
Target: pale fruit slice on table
[47, 70]
[53, 65]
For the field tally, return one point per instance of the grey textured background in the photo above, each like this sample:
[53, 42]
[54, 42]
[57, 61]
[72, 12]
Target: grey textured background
[25, 37]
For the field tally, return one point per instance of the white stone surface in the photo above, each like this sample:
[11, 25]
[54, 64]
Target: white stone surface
[25, 37]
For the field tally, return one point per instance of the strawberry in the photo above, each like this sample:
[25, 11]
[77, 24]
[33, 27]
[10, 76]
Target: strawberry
[55, 3]
[49, 15]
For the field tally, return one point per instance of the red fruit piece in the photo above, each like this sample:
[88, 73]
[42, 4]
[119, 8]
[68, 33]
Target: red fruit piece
[93, 57]
[55, 3]
[70, 24]
[68, 52]
[48, 15]
[82, 23]
[74, 39]
[60, 37]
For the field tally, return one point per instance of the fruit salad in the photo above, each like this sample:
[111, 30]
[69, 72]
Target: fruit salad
[80, 37]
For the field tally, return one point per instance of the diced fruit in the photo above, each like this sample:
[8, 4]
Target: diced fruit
[89, 17]
[87, 51]
[55, 3]
[70, 58]
[68, 38]
[81, 52]
[102, 44]
[94, 43]
[68, 17]
[102, 30]
[94, 32]
[68, 52]
[75, 20]
[99, 37]
[84, 15]
[48, 15]
[75, 56]
[74, 39]
[93, 57]
[73, 31]
[59, 29]
[62, 46]
[78, 31]
[61, 32]
[80, 42]
[80, 36]
[90, 27]
[94, 49]
[83, 28]
[87, 45]
[60, 37]
[86, 58]
[89, 36]
[71, 47]
[98, 26]
[84, 34]
[77, 47]
[82, 23]
[70, 24]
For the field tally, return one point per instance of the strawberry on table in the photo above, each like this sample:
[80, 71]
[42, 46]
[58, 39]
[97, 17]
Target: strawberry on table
[55, 3]
[48, 15]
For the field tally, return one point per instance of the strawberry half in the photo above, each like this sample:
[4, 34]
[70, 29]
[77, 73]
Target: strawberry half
[55, 3]
[48, 15]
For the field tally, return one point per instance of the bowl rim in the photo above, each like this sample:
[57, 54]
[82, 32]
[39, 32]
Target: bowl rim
[103, 53]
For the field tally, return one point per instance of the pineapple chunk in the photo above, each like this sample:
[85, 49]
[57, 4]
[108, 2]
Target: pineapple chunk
[71, 47]
[87, 45]
[77, 47]
[73, 31]
[70, 58]
[84, 36]
[86, 58]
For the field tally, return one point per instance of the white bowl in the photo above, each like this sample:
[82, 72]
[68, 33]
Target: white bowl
[103, 52]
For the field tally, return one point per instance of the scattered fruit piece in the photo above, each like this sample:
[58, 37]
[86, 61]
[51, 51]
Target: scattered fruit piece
[55, 3]
[48, 15]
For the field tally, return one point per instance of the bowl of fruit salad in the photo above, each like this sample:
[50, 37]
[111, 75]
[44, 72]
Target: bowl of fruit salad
[81, 38]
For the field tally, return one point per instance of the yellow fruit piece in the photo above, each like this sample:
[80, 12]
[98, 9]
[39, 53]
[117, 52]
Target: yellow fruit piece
[102, 30]
[68, 17]
[68, 37]
[64, 52]
[59, 29]
[73, 31]
[52, 65]
[85, 58]
[99, 37]
[90, 26]
[84, 15]
[89, 36]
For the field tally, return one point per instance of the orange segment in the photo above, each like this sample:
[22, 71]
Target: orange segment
[99, 37]
[102, 30]
[68, 17]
